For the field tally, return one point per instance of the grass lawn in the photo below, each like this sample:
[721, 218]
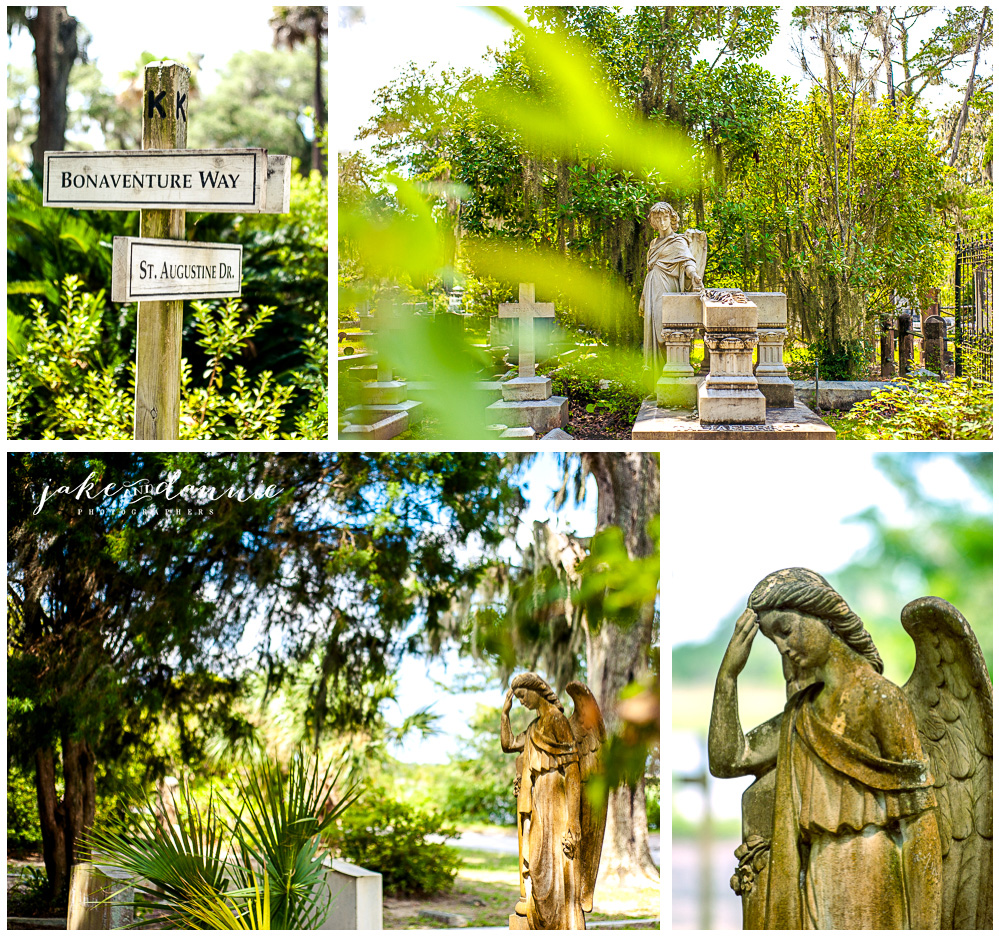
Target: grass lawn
[486, 890]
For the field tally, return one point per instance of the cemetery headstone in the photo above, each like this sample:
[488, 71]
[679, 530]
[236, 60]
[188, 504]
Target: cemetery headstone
[527, 398]
[161, 268]
[99, 898]
[864, 813]
[934, 343]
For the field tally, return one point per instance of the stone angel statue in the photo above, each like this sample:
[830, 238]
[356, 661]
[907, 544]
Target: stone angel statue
[872, 807]
[676, 264]
[559, 833]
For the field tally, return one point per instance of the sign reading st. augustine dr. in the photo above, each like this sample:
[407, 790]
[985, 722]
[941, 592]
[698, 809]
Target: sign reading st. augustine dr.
[194, 180]
[151, 268]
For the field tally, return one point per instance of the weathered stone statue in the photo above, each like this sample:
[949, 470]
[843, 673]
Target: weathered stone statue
[559, 833]
[676, 264]
[872, 807]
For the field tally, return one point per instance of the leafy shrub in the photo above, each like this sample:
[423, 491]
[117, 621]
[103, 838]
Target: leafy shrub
[482, 799]
[585, 381]
[390, 837]
[846, 361]
[65, 381]
[22, 810]
[910, 408]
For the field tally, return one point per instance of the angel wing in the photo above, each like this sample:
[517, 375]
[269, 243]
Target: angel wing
[698, 241]
[951, 697]
[588, 729]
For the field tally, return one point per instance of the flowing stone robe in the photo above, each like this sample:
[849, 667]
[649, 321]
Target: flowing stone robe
[666, 260]
[836, 810]
[555, 895]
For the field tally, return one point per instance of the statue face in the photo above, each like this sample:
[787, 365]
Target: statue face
[802, 639]
[662, 221]
[527, 697]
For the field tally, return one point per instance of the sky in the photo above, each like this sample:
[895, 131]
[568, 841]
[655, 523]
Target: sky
[120, 37]
[371, 50]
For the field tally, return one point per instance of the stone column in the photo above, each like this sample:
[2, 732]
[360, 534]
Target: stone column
[904, 344]
[731, 394]
[677, 386]
[771, 374]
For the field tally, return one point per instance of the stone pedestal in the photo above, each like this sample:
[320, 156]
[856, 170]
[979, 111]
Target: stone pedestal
[100, 898]
[518, 922]
[357, 897]
[771, 374]
[730, 394]
[791, 423]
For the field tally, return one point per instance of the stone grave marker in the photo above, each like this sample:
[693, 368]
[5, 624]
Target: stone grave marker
[934, 343]
[165, 180]
[527, 398]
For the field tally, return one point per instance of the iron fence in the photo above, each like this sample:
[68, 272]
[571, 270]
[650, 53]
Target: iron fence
[973, 307]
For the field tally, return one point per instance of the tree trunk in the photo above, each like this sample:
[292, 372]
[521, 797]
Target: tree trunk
[56, 49]
[51, 816]
[962, 117]
[64, 820]
[318, 104]
[627, 497]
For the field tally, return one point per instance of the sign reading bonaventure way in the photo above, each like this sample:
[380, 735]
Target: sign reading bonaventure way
[160, 268]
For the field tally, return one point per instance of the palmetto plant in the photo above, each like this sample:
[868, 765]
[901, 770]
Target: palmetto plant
[250, 864]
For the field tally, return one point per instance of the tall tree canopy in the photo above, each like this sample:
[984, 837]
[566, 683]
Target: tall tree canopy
[123, 609]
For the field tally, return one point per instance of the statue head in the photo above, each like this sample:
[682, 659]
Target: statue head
[809, 595]
[662, 216]
[529, 687]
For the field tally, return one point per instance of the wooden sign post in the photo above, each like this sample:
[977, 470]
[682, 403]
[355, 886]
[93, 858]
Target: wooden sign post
[160, 322]
[160, 268]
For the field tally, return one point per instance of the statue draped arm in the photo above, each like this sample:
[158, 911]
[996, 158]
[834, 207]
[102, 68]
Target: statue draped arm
[508, 742]
[922, 869]
[730, 752]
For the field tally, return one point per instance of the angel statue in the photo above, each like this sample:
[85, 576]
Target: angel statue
[872, 804]
[676, 264]
[559, 832]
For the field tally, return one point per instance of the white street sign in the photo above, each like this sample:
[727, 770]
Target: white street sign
[149, 268]
[192, 180]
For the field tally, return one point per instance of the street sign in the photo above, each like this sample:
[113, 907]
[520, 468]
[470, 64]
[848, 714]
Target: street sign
[150, 268]
[192, 180]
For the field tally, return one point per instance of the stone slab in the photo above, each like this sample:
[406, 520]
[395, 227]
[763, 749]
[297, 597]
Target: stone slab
[556, 435]
[727, 406]
[720, 316]
[520, 432]
[771, 308]
[542, 416]
[836, 394]
[357, 897]
[382, 392]
[527, 388]
[794, 423]
[779, 391]
[387, 427]
[677, 391]
[681, 309]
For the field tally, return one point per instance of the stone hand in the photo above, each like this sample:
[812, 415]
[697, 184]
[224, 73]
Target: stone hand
[508, 702]
[741, 643]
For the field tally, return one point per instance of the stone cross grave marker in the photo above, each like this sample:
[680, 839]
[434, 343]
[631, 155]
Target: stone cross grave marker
[161, 268]
[526, 311]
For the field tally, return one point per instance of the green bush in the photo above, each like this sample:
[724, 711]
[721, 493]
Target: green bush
[846, 361]
[482, 799]
[65, 381]
[652, 804]
[389, 837]
[23, 828]
[910, 408]
[585, 381]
